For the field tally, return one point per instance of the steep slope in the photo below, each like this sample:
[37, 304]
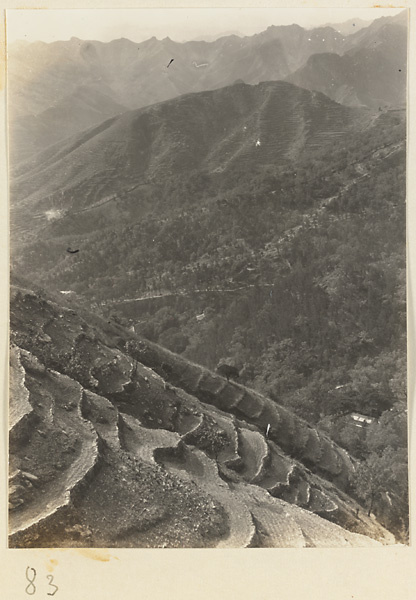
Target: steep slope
[239, 126]
[86, 106]
[195, 234]
[362, 35]
[137, 74]
[381, 62]
[122, 73]
[61, 88]
[371, 73]
[114, 455]
[332, 75]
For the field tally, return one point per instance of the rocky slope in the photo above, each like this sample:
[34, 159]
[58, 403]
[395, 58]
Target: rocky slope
[117, 442]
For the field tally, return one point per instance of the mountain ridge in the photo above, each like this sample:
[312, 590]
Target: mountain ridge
[270, 123]
[122, 73]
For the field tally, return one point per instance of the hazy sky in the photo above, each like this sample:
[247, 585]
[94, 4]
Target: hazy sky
[177, 23]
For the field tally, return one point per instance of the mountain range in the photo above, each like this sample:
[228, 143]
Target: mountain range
[239, 202]
[98, 80]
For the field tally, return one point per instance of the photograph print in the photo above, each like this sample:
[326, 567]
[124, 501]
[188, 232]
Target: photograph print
[207, 278]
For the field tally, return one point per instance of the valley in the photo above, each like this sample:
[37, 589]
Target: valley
[208, 300]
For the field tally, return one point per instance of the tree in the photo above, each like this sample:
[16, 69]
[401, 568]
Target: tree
[228, 371]
[378, 474]
[369, 480]
[389, 431]
[174, 340]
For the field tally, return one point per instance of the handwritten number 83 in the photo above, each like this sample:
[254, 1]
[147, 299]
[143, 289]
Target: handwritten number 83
[31, 587]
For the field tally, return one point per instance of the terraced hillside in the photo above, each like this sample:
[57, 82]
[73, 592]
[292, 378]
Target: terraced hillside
[116, 442]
